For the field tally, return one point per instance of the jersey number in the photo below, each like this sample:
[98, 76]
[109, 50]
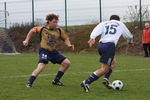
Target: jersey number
[111, 29]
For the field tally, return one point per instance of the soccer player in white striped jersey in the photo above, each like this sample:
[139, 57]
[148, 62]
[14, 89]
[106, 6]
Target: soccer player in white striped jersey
[110, 32]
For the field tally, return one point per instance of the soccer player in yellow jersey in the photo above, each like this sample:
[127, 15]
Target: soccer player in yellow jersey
[49, 34]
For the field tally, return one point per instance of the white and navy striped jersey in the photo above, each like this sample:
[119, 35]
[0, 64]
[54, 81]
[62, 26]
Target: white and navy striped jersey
[111, 31]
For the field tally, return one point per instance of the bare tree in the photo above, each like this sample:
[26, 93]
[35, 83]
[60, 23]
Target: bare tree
[133, 14]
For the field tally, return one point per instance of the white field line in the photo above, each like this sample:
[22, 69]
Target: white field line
[10, 53]
[77, 73]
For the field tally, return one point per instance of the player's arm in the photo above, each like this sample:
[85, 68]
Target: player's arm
[29, 35]
[66, 39]
[96, 32]
[127, 34]
[91, 42]
[68, 43]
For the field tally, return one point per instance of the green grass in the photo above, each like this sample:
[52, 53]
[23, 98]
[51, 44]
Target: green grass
[15, 70]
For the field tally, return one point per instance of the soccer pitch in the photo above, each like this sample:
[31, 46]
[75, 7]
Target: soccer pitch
[133, 71]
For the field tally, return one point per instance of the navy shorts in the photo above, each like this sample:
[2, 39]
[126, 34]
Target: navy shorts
[54, 56]
[107, 52]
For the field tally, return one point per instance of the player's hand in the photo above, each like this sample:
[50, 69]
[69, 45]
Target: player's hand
[25, 43]
[91, 42]
[71, 46]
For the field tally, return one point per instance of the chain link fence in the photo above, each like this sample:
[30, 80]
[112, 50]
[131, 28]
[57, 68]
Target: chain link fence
[79, 12]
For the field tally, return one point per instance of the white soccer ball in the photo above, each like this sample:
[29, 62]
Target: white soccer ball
[117, 85]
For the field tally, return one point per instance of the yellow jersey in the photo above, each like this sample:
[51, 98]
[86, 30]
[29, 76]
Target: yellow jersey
[49, 37]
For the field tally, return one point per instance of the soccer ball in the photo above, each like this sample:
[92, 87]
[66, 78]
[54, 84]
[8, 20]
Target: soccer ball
[117, 85]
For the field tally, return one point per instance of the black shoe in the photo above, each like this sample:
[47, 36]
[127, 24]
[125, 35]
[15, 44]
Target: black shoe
[85, 86]
[28, 85]
[58, 83]
[107, 83]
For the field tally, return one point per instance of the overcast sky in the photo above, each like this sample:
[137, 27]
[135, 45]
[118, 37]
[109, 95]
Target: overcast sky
[79, 11]
[119, 1]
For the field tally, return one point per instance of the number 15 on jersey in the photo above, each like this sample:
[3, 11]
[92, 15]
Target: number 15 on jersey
[111, 29]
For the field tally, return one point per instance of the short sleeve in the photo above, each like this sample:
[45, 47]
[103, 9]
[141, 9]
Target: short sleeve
[64, 36]
[37, 29]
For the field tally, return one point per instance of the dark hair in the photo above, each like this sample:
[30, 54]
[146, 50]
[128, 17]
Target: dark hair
[50, 17]
[114, 17]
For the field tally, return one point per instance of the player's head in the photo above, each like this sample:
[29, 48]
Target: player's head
[147, 25]
[114, 17]
[52, 20]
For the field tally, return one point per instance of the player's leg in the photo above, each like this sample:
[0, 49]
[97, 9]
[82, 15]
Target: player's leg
[107, 52]
[43, 60]
[94, 76]
[64, 62]
[98, 73]
[35, 73]
[64, 66]
[107, 75]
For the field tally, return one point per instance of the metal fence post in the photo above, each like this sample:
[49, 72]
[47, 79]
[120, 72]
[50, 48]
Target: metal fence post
[66, 15]
[140, 14]
[100, 10]
[5, 15]
[32, 13]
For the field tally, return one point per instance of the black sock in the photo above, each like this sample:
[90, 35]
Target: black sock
[58, 76]
[107, 75]
[31, 80]
[93, 77]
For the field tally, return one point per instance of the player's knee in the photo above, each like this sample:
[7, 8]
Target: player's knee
[113, 64]
[40, 67]
[105, 68]
[66, 63]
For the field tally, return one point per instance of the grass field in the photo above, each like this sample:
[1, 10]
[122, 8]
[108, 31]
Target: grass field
[134, 71]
